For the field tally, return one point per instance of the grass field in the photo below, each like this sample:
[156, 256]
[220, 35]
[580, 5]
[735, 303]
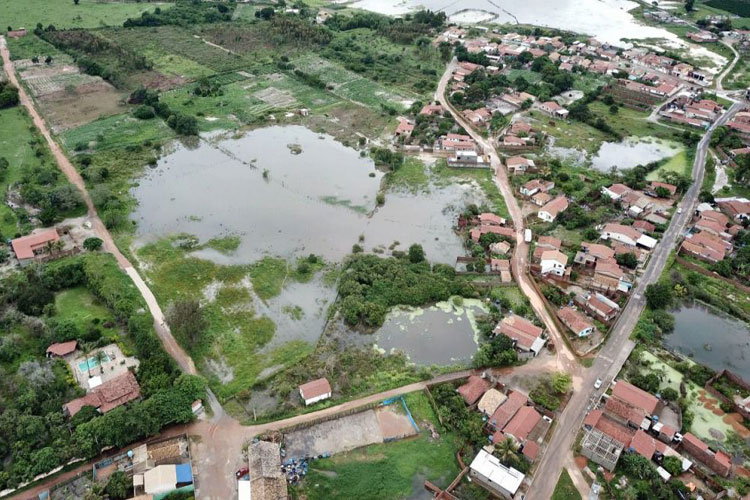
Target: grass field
[393, 470]
[78, 306]
[29, 46]
[630, 122]
[571, 133]
[63, 14]
[116, 132]
[565, 489]
[483, 177]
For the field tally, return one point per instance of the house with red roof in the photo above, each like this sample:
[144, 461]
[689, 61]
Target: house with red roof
[473, 389]
[635, 396]
[61, 349]
[527, 337]
[518, 164]
[643, 444]
[404, 129]
[522, 423]
[554, 262]
[553, 109]
[108, 396]
[27, 248]
[506, 411]
[717, 461]
[551, 210]
[315, 390]
[578, 323]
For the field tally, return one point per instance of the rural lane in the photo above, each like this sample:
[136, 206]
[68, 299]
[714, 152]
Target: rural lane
[565, 358]
[67, 168]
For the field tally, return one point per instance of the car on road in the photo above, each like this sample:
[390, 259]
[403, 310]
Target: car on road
[679, 210]
[242, 472]
[598, 383]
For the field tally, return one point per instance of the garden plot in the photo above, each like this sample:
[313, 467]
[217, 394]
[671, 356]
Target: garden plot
[69, 98]
[275, 97]
[349, 85]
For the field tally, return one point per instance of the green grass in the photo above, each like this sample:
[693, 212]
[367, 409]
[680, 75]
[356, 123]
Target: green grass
[411, 175]
[739, 78]
[29, 46]
[571, 133]
[80, 307]
[630, 122]
[678, 163]
[565, 489]
[267, 276]
[393, 470]
[63, 14]
[226, 244]
[117, 131]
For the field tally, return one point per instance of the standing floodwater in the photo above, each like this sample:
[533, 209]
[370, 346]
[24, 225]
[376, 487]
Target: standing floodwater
[712, 338]
[287, 191]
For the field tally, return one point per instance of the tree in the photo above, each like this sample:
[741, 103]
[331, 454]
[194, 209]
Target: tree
[670, 394]
[100, 357]
[561, 382]
[187, 319]
[416, 253]
[506, 450]
[92, 244]
[76, 2]
[662, 192]
[658, 295]
[689, 6]
[628, 260]
[48, 60]
[118, 486]
[673, 465]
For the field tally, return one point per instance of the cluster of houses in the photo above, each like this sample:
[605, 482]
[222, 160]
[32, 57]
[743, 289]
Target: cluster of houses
[710, 239]
[489, 223]
[508, 415]
[520, 135]
[740, 123]
[692, 111]
[631, 420]
[651, 205]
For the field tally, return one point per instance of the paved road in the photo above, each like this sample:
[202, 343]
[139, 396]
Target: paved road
[67, 168]
[565, 358]
[612, 356]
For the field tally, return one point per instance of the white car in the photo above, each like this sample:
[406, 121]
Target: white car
[598, 383]
[679, 210]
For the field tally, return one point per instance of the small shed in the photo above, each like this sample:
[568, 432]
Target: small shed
[314, 391]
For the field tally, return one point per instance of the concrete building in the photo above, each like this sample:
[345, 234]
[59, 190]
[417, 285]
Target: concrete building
[601, 448]
[496, 478]
[314, 391]
[553, 261]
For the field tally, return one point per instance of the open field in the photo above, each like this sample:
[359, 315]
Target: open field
[678, 163]
[79, 307]
[29, 46]
[63, 14]
[571, 133]
[393, 470]
[116, 132]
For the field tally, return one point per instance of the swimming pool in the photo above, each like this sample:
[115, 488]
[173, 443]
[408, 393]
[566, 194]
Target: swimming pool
[92, 363]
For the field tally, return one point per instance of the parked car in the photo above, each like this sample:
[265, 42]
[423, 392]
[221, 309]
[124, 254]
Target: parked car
[242, 472]
[598, 383]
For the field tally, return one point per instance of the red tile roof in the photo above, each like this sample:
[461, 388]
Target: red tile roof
[530, 450]
[593, 418]
[62, 348]
[520, 329]
[505, 411]
[625, 411]
[597, 250]
[491, 219]
[109, 395]
[315, 388]
[522, 423]
[643, 444]
[635, 396]
[574, 319]
[554, 207]
[473, 389]
[24, 246]
[614, 430]
[549, 241]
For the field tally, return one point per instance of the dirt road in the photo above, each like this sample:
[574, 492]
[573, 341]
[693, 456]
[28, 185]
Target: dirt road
[67, 168]
[566, 359]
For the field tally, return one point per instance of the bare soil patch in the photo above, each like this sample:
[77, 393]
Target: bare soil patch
[394, 425]
[88, 102]
[275, 97]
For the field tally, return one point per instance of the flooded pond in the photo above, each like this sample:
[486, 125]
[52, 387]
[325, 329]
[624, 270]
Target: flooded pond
[287, 191]
[712, 338]
[608, 20]
[631, 152]
[443, 334]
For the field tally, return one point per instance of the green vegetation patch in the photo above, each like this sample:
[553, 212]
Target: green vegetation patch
[29, 46]
[445, 175]
[678, 164]
[116, 132]
[80, 307]
[64, 14]
[565, 489]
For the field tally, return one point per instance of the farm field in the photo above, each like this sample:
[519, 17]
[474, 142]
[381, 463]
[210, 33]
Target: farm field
[63, 14]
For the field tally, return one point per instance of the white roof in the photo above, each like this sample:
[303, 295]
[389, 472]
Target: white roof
[666, 476]
[490, 467]
[160, 479]
[95, 382]
[538, 343]
[646, 241]
[243, 490]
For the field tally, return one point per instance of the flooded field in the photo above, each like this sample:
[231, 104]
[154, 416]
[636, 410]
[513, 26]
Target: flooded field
[608, 20]
[632, 152]
[443, 334]
[287, 191]
[711, 338]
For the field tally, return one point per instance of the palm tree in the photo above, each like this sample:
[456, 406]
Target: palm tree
[506, 449]
[100, 357]
[86, 348]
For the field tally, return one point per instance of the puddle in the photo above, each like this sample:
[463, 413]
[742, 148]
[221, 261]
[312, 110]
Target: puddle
[319, 201]
[632, 152]
[712, 338]
[443, 334]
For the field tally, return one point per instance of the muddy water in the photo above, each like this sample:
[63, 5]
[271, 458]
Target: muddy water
[443, 334]
[608, 20]
[712, 338]
[284, 204]
[632, 152]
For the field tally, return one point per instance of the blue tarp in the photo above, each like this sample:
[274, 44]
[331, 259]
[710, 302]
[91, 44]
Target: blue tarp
[184, 474]
[44, 495]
